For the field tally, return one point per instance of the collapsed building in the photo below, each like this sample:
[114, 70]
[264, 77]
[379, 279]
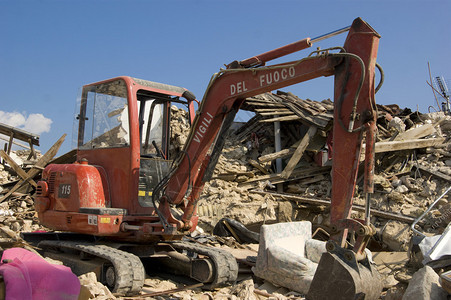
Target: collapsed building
[276, 168]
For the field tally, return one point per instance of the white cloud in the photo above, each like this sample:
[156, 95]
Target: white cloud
[34, 123]
[14, 119]
[37, 123]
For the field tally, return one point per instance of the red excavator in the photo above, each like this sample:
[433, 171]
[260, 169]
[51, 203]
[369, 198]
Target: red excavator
[126, 204]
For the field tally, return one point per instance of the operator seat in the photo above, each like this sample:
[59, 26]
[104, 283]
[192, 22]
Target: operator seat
[288, 256]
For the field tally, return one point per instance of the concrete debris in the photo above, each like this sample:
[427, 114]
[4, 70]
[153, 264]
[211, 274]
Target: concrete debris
[396, 235]
[413, 167]
[92, 289]
[425, 285]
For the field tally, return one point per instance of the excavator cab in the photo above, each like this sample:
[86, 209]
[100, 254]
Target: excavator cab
[106, 125]
[122, 154]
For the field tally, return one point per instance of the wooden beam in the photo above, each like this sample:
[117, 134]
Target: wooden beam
[256, 165]
[265, 104]
[281, 154]
[326, 201]
[42, 162]
[168, 292]
[17, 168]
[15, 143]
[298, 152]
[261, 110]
[406, 145]
[275, 178]
[19, 134]
[416, 133]
[272, 156]
[10, 142]
[275, 112]
[32, 152]
[281, 119]
[439, 175]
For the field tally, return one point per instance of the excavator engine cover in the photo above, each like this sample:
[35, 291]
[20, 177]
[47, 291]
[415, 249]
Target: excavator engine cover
[340, 276]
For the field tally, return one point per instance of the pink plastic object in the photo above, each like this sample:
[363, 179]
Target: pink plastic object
[29, 276]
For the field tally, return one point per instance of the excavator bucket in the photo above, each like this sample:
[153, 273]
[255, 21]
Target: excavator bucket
[340, 276]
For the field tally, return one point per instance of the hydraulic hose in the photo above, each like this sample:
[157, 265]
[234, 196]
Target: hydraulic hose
[381, 81]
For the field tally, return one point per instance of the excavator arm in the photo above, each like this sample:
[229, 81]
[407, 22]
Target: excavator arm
[354, 119]
[354, 68]
[226, 92]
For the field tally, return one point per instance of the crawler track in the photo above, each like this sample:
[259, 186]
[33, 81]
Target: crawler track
[123, 272]
[128, 277]
[226, 267]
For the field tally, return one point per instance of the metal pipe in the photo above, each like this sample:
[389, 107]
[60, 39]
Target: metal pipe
[430, 207]
[276, 53]
[330, 34]
[367, 209]
[126, 227]
[278, 146]
[288, 49]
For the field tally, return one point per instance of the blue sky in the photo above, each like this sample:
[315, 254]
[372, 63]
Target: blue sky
[49, 49]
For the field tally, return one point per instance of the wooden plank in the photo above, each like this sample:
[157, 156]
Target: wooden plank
[382, 131]
[10, 142]
[19, 134]
[281, 119]
[416, 133]
[328, 104]
[324, 201]
[313, 179]
[32, 152]
[232, 176]
[407, 145]
[256, 165]
[244, 131]
[307, 107]
[260, 110]
[313, 107]
[42, 162]
[439, 175]
[267, 104]
[16, 168]
[280, 154]
[272, 156]
[66, 158]
[149, 293]
[301, 176]
[318, 105]
[298, 152]
[298, 174]
[313, 120]
[16, 143]
[276, 112]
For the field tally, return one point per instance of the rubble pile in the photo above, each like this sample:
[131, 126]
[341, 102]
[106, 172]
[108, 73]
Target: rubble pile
[17, 213]
[413, 168]
[179, 130]
[406, 180]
